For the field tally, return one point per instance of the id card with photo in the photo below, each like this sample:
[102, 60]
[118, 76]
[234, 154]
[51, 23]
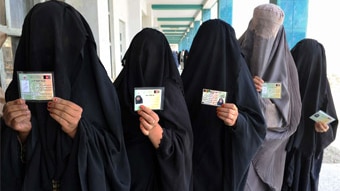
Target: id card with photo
[321, 116]
[152, 97]
[213, 97]
[36, 86]
[271, 90]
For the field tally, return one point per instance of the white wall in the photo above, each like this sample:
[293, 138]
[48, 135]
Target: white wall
[96, 14]
[322, 26]
[242, 13]
[135, 18]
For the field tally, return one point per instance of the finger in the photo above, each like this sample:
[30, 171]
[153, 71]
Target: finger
[20, 123]
[150, 116]
[144, 131]
[258, 79]
[258, 88]
[69, 127]
[321, 127]
[229, 108]
[146, 117]
[324, 127]
[146, 124]
[22, 126]
[318, 130]
[229, 118]
[67, 103]
[65, 109]
[15, 102]
[66, 113]
[13, 117]
[229, 122]
[15, 105]
[68, 122]
[15, 114]
[148, 111]
[66, 106]
[61, 118]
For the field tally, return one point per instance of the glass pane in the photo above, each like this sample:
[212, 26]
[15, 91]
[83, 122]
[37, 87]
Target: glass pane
[7, 53]
[18, 12]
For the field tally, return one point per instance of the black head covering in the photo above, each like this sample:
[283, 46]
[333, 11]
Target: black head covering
[222, 154]
[149, 63]
[310, 59]
[305, 147]
[55, 37]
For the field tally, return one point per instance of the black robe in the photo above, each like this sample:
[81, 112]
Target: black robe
[149, 63]
[306, 146]
[222, 154]
[55, 37]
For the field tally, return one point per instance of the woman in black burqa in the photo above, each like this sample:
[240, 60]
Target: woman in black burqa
[227, 137]
[305, 147]
[159, 143]
[55, 37]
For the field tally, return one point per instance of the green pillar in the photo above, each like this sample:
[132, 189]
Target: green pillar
[225, 10]
[206, 14]
[296, 18]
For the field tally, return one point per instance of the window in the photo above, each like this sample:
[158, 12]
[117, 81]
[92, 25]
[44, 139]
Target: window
[6, 60]
[12, 15]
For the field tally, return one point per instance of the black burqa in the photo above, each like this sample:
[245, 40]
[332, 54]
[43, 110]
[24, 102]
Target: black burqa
[149, 62]
[55, 37]
[306, 146]
[222, 154]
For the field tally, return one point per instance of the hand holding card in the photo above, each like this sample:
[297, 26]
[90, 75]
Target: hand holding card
[321, 116]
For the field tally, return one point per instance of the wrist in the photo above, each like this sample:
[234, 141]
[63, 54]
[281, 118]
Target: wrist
[23, 136]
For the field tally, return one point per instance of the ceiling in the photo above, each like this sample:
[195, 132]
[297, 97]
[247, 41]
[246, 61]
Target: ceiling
[175, 17]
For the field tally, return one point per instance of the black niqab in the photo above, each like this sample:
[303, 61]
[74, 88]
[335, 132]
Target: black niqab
[305, 148]
[222, 154]
[55, 37]
[149, 63]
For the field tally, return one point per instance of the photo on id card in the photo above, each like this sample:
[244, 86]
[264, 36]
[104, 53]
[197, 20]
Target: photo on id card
[213, 97]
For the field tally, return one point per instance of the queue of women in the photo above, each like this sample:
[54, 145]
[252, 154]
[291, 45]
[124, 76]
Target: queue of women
[90, 136]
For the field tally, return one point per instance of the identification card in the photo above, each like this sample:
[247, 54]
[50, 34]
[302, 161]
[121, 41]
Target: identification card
[36, 86]
[213, 97]
[321, 116]
[152, 97]
[271, 90]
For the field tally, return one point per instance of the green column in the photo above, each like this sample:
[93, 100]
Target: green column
[206, 14]
[296, 18]
[225, 10]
